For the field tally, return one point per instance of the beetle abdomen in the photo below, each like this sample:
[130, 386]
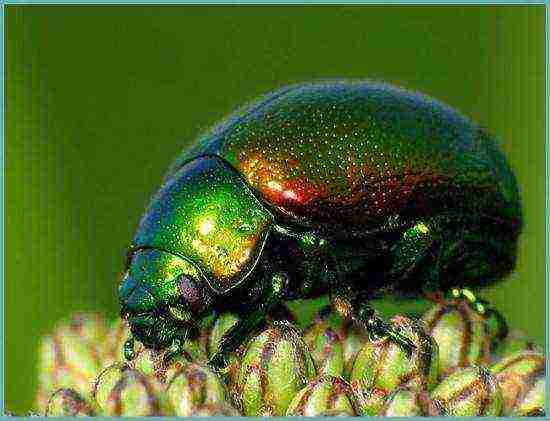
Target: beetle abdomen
[351, 154]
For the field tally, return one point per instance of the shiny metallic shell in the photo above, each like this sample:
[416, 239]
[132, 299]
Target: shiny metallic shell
[343, 156]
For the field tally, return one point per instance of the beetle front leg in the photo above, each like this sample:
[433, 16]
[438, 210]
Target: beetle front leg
[270, 297]
[177, 348]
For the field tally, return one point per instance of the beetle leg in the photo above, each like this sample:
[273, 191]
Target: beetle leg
[484, 309]
[414, 245]
[175, 350]
[253, 317]
[380, 327]
[365, 316]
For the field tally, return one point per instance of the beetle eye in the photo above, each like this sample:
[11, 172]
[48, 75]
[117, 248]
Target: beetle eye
[190, 292]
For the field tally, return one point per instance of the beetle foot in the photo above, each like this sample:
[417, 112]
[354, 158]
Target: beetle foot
[464, 293]
[375, 325]
[175, 350]
[478, 305]
[484, 309]
[382, 328]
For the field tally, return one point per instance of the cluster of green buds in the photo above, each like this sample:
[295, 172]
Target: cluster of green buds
[461, 365]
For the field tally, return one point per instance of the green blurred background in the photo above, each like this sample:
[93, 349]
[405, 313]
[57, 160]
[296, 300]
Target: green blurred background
[101, 99]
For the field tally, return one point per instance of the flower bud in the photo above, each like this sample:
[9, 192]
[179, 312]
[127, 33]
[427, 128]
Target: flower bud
[68, 403]
[193, 386]
[470, 391]
[368, 402]
[222, 324]
[275, 366]
[154, 364]
[337, 413]
[148, 362]
[220, 327]
[383, 365]
[326, 351]
[521, 379]
[122, 391]
[325, 393]
[533, 402]
[463, 336]
[215, 410]
[71, 357]
[329, 328]
[354, 338]
[112, 346]
[406, 402]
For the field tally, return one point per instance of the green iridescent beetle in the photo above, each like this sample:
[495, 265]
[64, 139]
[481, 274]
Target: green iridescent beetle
[350, 188]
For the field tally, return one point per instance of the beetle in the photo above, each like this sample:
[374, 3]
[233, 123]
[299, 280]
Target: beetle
[356, 189]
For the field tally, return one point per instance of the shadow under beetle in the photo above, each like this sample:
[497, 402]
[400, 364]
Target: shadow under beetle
[355, 189]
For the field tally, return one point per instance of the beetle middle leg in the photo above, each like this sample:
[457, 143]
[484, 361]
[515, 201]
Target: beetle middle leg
[361, 313]
[414, 245]
[269, 298]
[354, 306]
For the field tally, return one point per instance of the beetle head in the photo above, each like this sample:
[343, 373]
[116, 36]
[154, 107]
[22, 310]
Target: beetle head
[202, 234]
[161, 295]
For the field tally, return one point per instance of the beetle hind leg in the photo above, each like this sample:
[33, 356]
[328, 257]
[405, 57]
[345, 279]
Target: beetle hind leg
[484, 309]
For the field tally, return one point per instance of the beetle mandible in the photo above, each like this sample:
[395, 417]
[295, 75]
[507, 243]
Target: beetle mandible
[354, 189]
